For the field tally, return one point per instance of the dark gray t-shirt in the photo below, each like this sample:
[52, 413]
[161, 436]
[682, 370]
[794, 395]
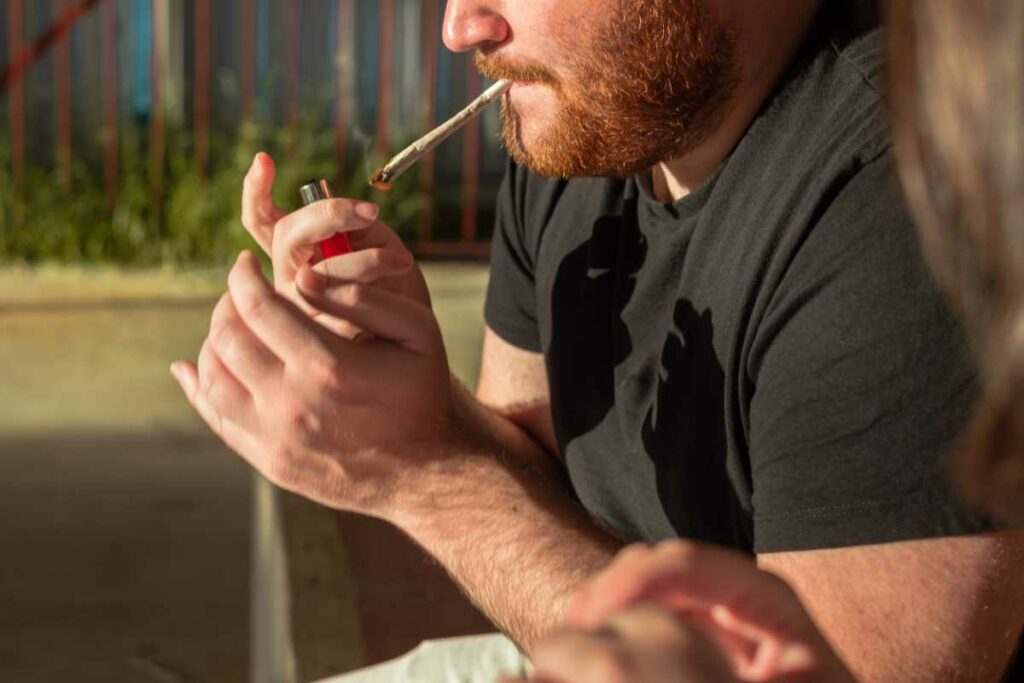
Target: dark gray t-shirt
[766, 363]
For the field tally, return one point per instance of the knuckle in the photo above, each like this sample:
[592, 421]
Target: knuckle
[252, 304]
[376, 258]
[220, 336]
[335, 210]
[280, 468]
[283, 229]
[292, 418]
[325, 372]
[297, 422]
[353, 295]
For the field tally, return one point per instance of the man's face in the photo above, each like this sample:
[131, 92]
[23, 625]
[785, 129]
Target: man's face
[603, 87]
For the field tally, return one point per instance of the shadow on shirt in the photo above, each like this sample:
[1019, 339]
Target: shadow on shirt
[668, 410]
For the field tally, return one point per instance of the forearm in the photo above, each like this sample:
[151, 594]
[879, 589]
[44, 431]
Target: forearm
[506, 528]
[944, 609]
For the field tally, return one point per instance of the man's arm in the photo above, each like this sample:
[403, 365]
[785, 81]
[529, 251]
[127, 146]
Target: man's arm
[514, 384]
[947, 609]
[493, 508]
[509, 531]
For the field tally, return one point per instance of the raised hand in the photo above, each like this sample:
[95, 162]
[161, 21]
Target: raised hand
[379, 256]
[351, 425]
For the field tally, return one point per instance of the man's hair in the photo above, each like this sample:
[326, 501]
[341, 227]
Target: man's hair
[957, 89]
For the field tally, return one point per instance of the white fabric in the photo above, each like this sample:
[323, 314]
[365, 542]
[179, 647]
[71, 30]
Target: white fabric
[472, 659]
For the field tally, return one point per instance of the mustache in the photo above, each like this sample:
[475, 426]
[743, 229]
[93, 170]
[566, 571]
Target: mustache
[526, 71]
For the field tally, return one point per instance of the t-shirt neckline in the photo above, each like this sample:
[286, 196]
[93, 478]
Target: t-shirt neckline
[682, 208]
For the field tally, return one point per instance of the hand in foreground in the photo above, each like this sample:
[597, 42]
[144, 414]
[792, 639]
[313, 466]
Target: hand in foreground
[337, 421]
[642, 644]
[753, 617]
[378, 255]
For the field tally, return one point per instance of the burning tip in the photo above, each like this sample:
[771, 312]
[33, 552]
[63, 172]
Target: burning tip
[381, 180]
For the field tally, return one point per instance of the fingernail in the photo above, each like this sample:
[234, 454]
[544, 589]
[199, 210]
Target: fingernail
[367, 210]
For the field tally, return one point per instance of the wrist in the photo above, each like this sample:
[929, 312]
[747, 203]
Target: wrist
[439, 469]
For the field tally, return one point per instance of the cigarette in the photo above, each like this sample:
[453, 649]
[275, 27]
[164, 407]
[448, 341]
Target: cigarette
[388, 173]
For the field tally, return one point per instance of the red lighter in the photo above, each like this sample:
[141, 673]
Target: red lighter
[337, 244]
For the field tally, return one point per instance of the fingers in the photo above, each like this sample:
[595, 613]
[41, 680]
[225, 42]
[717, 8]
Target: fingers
[629, 577]
[259, 215]
[296, 235]
[187, 376]
[236, 438]
[241, 353]
[686, 575]
[286, 332]
[671, 644]
[639, 645]
[578, 656]
[382, 313]
[219, 388]
[367, 265]
[752, 614]
[213, 392]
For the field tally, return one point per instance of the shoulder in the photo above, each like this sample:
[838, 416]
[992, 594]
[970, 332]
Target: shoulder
[828, 113]
[530, 203]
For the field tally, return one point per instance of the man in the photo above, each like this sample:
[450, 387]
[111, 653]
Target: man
[720, 329]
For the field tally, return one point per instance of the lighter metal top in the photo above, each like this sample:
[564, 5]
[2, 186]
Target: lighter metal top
[315, 190]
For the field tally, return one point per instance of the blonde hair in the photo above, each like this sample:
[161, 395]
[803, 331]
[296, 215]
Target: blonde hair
[957, 90]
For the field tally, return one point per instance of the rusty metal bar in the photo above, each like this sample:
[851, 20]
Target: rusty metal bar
[471, 161]
[157, 124]
[248, 66]
[21, 60]
[62, 83]
[431, 53]
[343, 68]
[15, 27]
[294, 73]
[386, 91]
[110, 103]
[202, 86]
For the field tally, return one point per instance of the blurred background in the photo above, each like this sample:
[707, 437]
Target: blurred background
[134, 546]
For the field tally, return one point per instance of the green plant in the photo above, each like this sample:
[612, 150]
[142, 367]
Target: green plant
[195, 217]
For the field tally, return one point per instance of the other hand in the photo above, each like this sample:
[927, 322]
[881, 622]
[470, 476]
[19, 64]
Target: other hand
[643, 644]
[756, 619]
[346, 424]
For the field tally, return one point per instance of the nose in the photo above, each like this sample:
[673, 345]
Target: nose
[473, 24]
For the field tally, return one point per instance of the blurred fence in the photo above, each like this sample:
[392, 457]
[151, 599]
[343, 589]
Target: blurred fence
[169, 99]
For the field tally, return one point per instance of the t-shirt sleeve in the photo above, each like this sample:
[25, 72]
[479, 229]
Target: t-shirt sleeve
[510, 307]
[862, 381]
